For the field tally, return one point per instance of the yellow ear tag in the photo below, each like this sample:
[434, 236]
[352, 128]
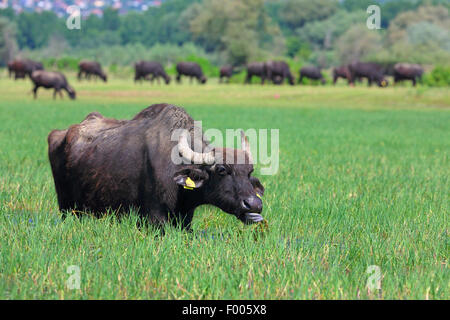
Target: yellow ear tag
[189, 184]
[259, 196]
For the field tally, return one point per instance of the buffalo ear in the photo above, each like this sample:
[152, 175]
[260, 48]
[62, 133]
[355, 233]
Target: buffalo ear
[259, 189]
[190, 178]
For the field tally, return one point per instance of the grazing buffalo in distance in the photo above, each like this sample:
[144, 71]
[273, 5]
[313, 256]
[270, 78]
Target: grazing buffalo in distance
[311, 73]
[407, 71]
[91, 68]
[190, 69]
[23, 67]
[371, 71]
[103, 164]
[143, 69]
[341, 72]
[226, 72]
[277, 71]
[257, 69]
[49, 80]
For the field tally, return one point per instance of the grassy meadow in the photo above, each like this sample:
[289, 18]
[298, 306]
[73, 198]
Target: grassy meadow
[363, 180]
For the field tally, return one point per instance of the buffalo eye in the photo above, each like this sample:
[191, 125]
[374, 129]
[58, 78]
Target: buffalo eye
[221, 170]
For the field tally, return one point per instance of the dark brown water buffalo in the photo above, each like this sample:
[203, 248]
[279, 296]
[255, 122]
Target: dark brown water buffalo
[311, 73]
[257, 69]
[143, 69]
[341, 72]
[91, 68]
[190, 69]
[49, 80]
[278, 71]
[407, 71]
[148, 164]
[225, 72]
[23, 67]
[373, 72]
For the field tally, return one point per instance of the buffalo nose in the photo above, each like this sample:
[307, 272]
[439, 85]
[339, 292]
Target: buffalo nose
[252, 204]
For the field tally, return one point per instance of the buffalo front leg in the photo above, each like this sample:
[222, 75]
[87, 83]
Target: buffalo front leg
[35, 89]
[183, 220]
[156, 215]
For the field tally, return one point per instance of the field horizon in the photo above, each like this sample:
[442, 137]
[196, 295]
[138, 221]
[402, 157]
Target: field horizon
[363, 181]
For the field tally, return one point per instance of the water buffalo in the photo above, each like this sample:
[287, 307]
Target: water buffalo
[91, 68]
[341, 72]
[277, 71]
[49, 79]
[226, 72]
[143, 69]
[311, 73]
[190, 69]
[23, 67]
[407, 71]
[371, 71]
[102, 164]
[257, 69]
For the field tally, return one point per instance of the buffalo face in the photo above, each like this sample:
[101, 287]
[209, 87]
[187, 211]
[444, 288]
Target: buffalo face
[203, 79]
[226, 182]
[72, 94]
[236, 192]
[227, 186]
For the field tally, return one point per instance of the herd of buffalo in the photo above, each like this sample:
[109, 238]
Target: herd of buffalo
[273, 71]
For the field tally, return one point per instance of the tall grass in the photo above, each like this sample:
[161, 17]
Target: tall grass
[363, 180]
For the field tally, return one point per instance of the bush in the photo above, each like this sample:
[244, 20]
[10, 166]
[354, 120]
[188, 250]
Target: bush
[64, 63]
[439, 77]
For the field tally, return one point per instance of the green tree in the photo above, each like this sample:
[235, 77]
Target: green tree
[295, 13]
[437, 15]
[34, 29]
[358, 43]
[111, 20]
[238, 29]
[8, 44]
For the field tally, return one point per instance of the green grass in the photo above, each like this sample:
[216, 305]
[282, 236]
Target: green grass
[363, 180]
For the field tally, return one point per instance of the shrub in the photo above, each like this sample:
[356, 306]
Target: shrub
[64, 63]
[438, 77]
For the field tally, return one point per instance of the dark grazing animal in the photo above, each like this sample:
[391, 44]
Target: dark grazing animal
[226, 72]
[278, 71]
[103, 164]
[91, 68]
[143, 69]
[311, 73]
[23, 67]
[48, 80]
[192, 70]
[407, 71]
[341, 72]
[257, 69]
[369, 70]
